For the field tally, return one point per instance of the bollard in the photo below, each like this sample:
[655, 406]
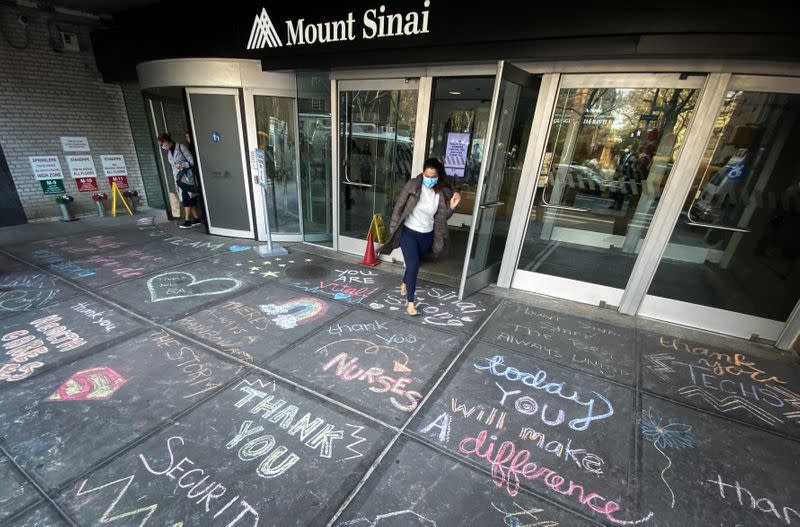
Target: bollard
[98, 199]
[63, 205]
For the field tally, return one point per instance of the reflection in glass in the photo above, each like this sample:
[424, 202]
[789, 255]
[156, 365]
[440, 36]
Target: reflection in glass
[276, 124]
[734, 246]
[609, 154]
[459, 121]
[314, 118]
[458, 124]
[376, 147]
[515, 106]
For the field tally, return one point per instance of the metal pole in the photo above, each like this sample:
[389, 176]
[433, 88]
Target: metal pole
[266, 219]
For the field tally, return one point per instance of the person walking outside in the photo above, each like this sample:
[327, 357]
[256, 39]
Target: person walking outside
[182, 161]
[419, 222]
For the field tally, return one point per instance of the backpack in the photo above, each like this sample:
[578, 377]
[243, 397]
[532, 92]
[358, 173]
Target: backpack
[186, 181]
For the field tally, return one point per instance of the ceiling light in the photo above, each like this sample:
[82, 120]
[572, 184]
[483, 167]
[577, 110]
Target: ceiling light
[455, 93]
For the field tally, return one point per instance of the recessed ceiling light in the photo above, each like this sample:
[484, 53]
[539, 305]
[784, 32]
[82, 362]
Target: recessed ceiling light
[455, 93]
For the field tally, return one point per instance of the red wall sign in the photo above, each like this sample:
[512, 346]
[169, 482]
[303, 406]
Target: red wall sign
[86, 184]
[121, 181]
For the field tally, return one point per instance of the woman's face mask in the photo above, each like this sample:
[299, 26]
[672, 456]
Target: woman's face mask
[429, 182]
[430, 177]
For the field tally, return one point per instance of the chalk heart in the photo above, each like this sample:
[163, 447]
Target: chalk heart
[239, 248]
[177, 284]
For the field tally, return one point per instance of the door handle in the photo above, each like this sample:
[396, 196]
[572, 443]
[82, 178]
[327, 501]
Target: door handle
[716, 227]
[492, 205]
[354, 184]
[564, 207]
[559, 207]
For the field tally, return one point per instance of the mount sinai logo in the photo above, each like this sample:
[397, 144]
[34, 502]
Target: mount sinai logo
[375, 23]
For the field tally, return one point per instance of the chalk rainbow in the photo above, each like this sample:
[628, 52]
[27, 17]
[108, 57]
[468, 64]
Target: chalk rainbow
[295, 312]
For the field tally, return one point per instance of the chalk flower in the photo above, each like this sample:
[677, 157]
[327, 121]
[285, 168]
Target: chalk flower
[666, 434]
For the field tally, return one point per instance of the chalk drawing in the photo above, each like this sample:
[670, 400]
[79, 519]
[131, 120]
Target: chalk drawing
[240, 248]
[669, 434]
[89, 385]
[295, 312]
[359, 439]
[25, 299]
[659, 365]
[400, 360]
[729, 404]
[510, 519]
[178, 284]
[393, 518]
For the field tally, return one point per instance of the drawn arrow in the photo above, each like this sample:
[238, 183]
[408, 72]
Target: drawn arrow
[402, 367]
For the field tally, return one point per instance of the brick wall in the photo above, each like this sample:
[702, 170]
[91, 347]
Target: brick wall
[45, 94]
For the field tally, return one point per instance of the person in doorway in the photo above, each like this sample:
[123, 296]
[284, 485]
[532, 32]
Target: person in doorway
[182, 161]
[189, 143]
[419, 222]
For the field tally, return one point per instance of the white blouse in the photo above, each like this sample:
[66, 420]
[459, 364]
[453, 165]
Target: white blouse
[421, 218]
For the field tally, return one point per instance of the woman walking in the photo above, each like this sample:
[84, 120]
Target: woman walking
[419, 222]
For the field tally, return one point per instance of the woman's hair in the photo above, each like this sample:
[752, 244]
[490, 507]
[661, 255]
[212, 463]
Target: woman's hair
[437, 165]
[164, 137]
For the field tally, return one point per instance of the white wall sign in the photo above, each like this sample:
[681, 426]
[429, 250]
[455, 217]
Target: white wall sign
[75, 144]
[81, 166]
[46, 167]
[114, 165]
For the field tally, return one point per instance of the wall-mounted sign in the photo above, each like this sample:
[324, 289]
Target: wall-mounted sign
[81, 166]
[86, 184]
[114, 165]
[120, 181]
[373, 23]
[46, 167]
[52, 186]
[115, 170]
[82, 170]
[216, 137]
[75, 144]
[455, 157]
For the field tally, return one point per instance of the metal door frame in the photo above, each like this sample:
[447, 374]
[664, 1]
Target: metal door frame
[782, 333]
[585, 292]
[423, 87]
[488, 158]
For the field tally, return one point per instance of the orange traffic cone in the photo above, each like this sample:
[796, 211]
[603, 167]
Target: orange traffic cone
[369, 254]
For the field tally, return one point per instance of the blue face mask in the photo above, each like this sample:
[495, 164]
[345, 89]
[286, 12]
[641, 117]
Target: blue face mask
[429, 181]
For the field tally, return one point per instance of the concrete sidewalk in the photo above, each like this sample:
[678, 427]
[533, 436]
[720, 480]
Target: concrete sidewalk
[160, 377]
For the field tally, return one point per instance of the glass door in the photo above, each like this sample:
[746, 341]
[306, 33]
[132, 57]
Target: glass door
[276, 130]
[732, 263]
[611, 147]
[377, 123]
[166, 112]
[510, 119]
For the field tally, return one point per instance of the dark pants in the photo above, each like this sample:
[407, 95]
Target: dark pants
[414, 245]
